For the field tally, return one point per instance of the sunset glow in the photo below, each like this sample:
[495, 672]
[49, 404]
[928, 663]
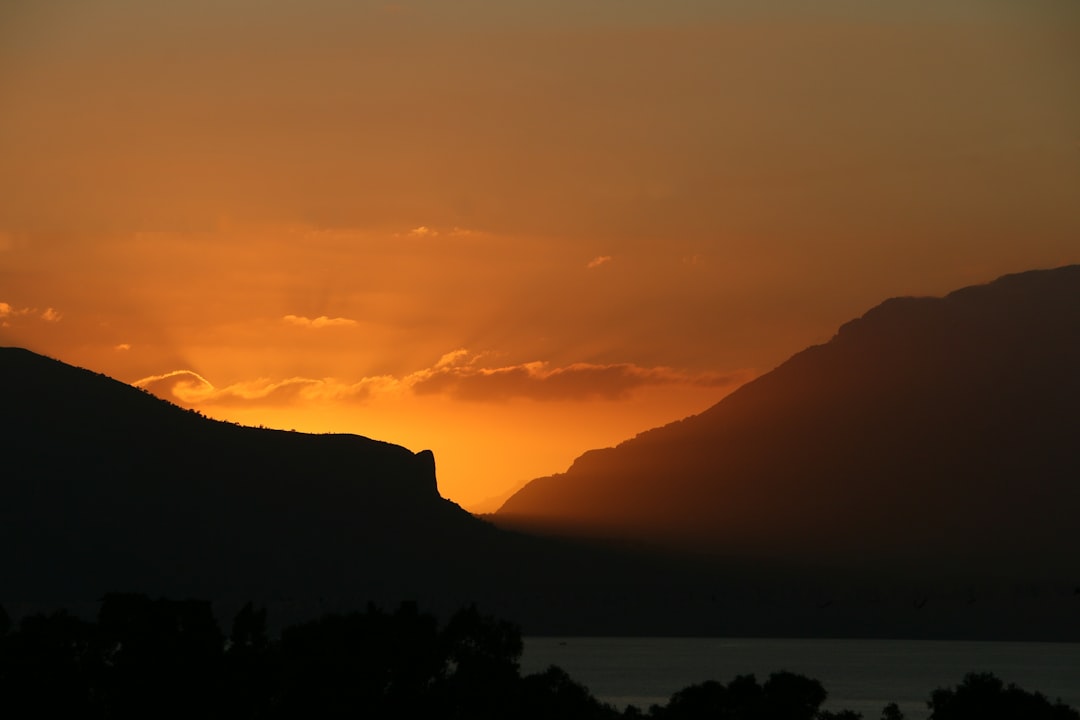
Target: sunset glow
[511, 232]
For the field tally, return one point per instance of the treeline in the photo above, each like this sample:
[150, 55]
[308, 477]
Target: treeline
[170, 659]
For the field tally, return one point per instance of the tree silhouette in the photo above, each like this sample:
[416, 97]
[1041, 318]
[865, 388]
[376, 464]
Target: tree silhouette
[984, 696]
[365, 662]
[251, 669]
[49, 667]
[165, 655]
[554, 694]
[784, 696]
[168, 659]
[249, 629]
[892, 712]
[701, 700]
[482, 670]
[793, 697]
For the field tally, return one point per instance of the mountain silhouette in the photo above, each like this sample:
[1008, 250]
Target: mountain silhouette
[106, 488]
[863, 450]
[930, 434]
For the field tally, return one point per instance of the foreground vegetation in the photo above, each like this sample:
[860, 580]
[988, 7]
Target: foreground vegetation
[169, 659]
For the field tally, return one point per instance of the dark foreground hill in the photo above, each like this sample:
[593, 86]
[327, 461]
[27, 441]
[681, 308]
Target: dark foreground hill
[931, 434]
[105, 488]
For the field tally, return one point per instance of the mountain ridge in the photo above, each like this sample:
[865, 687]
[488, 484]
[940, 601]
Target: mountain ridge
[966, 391]
[107, 488]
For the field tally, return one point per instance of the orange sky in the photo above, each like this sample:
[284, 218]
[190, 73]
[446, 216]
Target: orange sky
[511, 232]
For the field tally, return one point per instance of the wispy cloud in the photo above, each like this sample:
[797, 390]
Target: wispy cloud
[320, 322]
[185, 385]
[455, 357]
[427, 231]
[9, 312]
[598, 261]
[122, 347]
[458, 374]
[190, 388]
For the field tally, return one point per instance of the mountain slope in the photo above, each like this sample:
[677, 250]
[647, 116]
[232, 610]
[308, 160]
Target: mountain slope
[931, 432]
[106, 487]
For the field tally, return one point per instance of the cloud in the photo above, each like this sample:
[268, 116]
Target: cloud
[426, 231]
[457, 374]
[455, 357]
[122, 347]
[320, 322]
[8, 311]
[598, 261]
[189, 388]
[184, 385]
[539, 381]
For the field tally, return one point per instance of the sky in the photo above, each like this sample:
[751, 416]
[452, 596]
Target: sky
[511, 231]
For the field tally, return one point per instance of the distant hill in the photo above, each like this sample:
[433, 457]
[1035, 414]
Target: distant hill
[931, 434]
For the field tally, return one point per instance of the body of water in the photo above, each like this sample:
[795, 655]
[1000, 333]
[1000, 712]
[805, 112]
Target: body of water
[859, 675]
